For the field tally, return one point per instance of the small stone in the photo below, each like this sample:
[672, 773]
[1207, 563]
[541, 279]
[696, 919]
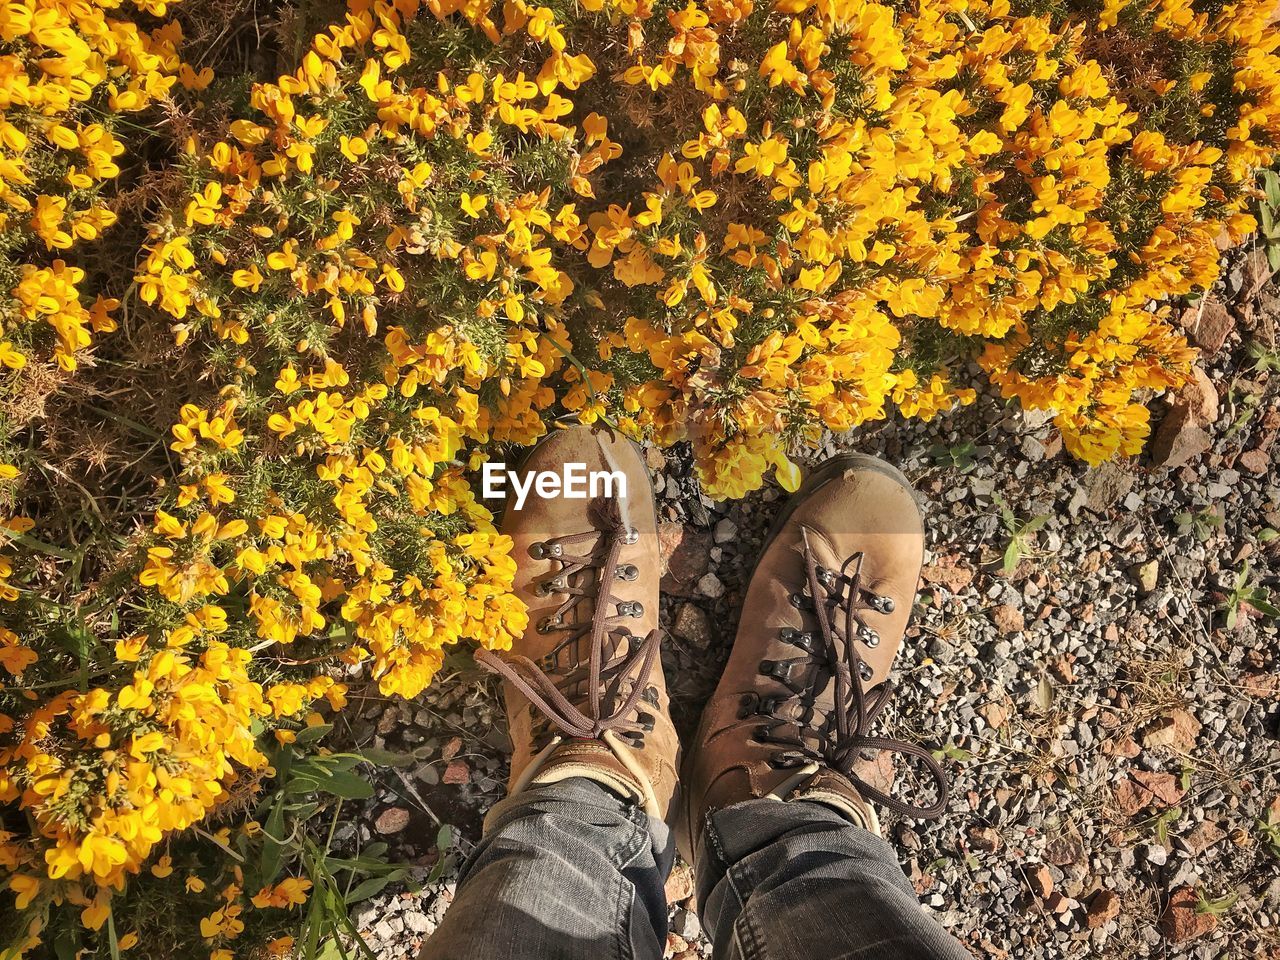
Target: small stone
[995, 714]
[1202, 397]
[1178, 730]
[1205, 835]
[1163, 786]
[451, 749]
[679, 885]
[984, 838]
[1008, 619]
[1103, 908]
[457, 772]
[655, 459]
[686, 925]
[687, 553]
[1146, 576]
[1040, 880]
[1209, 324]
[1131, 796]
[950, 572]
[1181, 921]
[709, 585]
[391, 820]
[1257, 462]
[1179, 439]
[1065, 849]
[692, 624]
[726, 531]
[1058, 902]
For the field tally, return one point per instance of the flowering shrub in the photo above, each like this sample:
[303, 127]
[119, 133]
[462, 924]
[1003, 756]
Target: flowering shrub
[733, 222]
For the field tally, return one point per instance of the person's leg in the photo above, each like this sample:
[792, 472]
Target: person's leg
[799, 880]
[565, 871]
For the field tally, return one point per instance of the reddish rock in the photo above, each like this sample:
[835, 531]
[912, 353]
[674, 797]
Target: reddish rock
[1131, 796]
[687, 554]
[1209, 324]
[950, 572]
[1257, 462]
[1163, 786]
[995, 714]
[451, 749]
[1201, 396]
[1179, 439]
[1204, 836]
[1177, 730]
[457, 772]
[1181, 922]
[1040, 880]
[680, 884]
[1103, 908]
[1008, 619]
[391, 820]
[984, 838]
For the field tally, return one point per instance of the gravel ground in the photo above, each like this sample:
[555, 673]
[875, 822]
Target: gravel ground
[1112, 743]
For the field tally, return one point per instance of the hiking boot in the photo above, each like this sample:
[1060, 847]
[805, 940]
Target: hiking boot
[823, 618]
[584, 688]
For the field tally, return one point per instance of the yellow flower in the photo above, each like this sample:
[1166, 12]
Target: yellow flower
[473, 206]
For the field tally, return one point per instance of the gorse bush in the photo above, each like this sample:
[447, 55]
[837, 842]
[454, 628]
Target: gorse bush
[735, 223]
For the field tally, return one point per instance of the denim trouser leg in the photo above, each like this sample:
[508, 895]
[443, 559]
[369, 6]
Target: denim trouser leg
[569, 871]
[565, 871]
[797, 881]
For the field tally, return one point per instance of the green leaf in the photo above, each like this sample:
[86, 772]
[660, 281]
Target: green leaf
[386, 758]
[1011, 554]
[342, 783]
[312, 734]
[375, 885]
[1264, 606]
[273, 849]
[113, 945]
[1035, 523]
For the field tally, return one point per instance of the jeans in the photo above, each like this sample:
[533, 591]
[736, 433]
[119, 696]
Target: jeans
[572, 872]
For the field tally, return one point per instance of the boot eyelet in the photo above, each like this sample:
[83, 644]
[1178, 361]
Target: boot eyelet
[778, 669]
[547, 624]
[869, 637]
[865, 671]
[797, 600]
[883, 604]
[538, 550]
[631, 536]
[557, 583]
[554, 550]
[630, 608]
[787, 634]
[827, 578]
[627, 571]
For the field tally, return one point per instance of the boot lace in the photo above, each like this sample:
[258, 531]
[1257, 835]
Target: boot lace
[596, 679]
[802, 730]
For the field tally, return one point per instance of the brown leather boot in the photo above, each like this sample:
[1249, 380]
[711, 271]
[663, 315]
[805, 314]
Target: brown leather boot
[824, 616]
[584, 689]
